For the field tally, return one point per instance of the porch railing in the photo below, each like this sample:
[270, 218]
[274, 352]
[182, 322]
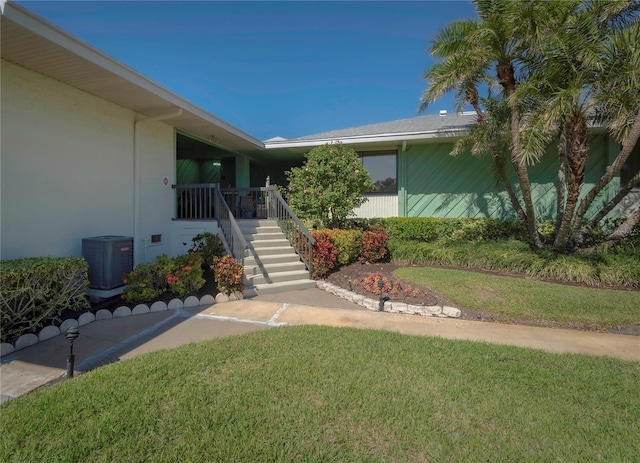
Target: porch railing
[247, 203]
[195, 201]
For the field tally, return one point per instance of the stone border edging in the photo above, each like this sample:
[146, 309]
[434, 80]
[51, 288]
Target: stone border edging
[51, 331]
[85, 318]
[389, 306]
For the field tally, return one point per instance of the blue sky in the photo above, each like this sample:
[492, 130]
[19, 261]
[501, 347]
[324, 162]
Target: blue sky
[273, 68]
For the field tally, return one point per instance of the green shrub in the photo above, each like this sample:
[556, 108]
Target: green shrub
[483, 229]
[329, 185]
[548, 230]
[229, 275]
[429, 229]
[36, 291]
[412, 228]
[209, 246]
[146, 283]
[178, 276]
[347, 244]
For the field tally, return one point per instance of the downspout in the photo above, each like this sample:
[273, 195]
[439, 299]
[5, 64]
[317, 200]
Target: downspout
[136, 178]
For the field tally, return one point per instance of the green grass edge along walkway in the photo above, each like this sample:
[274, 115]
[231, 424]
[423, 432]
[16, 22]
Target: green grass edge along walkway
[519, 298]
[320, 394]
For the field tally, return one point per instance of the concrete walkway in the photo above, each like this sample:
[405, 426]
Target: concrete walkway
[109, 340]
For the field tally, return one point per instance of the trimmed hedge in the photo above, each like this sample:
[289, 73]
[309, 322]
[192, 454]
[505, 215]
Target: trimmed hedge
[429, 229]
[36, 291]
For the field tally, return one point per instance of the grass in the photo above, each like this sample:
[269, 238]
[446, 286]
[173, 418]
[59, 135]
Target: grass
[519, 298]
[320, 394]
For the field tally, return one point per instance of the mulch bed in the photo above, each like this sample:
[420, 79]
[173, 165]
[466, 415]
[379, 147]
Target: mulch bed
[351, 276]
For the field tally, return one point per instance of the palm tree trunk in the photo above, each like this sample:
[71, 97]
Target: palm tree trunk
[576, 136]
[588, 229]
[562, 181]
[611, 171]
[625, 228]
[507, 79]
[502, 174]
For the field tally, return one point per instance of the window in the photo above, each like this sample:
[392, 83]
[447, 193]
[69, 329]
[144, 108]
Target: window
[382, 169]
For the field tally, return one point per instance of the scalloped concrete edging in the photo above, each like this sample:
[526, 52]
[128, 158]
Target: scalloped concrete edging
[389, 306]
[85, 318]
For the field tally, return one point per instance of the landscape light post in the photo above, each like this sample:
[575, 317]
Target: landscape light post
[381, 303]
[72, 335]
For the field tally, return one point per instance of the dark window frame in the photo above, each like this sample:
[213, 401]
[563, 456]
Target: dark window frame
[371, 154]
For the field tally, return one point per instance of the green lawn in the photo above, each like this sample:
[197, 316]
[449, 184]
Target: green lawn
[519, 298]
[320, 394]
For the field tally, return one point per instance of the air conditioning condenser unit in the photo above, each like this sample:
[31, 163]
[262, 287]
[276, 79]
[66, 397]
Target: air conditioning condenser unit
[109, 258]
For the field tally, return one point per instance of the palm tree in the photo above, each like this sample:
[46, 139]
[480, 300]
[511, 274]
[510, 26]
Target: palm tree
[585, 64]
[472, 52]
[618, 97]
[557, 63]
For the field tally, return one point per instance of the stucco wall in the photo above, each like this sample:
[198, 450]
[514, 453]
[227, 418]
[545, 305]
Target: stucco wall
[68, 168]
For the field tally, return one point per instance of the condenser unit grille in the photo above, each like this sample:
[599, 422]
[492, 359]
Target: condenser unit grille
[109, 258]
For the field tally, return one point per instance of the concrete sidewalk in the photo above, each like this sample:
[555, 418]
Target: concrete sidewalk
[109, 340]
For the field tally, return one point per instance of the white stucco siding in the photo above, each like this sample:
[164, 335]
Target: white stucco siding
[67, 167]
[156, 162]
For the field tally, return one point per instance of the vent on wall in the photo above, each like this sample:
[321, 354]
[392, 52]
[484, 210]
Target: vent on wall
[109, 257]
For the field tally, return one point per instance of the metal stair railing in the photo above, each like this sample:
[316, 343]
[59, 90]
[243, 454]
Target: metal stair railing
[229, 226]
[298, 235]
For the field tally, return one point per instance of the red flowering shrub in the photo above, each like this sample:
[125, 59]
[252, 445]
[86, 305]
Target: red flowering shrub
[228, 275]
[324, 256]
[373, 245]
[184, 274]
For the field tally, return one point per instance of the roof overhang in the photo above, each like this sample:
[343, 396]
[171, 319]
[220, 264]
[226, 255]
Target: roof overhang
[31, 42]
[373, 141]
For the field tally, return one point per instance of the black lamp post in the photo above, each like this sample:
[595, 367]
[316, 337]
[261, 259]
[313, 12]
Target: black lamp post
[72, 335]
[381, 303]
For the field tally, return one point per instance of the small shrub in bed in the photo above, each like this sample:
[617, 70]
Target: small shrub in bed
[228, 275]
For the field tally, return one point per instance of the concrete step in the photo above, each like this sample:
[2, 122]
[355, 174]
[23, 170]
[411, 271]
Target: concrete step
[281, 287]
[277, 277]
[257, 269]
[273, 250]
[261, 244]
[266, 259]
[249, 224]
[273, 266]
[264, 235]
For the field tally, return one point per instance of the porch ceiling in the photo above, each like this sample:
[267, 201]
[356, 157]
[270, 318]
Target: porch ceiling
[33, 43]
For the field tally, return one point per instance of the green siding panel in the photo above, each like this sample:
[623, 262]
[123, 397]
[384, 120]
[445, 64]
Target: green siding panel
[432, 183]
